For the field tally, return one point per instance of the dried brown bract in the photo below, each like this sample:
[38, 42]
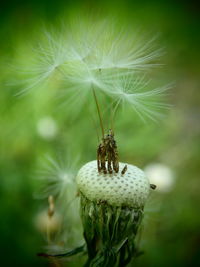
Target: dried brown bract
[107, 152]
[124, 170]
[153, 186]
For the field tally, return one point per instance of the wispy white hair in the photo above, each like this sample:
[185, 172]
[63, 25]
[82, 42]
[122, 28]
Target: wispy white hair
[100, 55]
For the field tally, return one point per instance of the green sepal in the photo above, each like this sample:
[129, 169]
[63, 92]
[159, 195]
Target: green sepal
[109, 232]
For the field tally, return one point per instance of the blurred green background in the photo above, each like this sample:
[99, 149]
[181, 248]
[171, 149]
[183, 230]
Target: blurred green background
[171, 234]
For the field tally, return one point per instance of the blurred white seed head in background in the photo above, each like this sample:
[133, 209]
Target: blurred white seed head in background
[160, 175]
[47, 128]
[57, 178]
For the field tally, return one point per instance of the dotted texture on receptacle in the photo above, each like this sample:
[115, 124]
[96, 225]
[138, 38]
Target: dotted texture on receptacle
[130, 190]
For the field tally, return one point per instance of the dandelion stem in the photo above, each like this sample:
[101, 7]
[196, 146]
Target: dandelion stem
[48, 233]
[95, 125]
[98, 110]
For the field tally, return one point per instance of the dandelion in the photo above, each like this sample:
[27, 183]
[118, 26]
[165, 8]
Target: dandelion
[100, 59]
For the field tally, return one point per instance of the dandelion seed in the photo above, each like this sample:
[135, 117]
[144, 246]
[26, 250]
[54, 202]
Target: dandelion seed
[135, 93]
[103, 57]
[58, 179]
[120, 49]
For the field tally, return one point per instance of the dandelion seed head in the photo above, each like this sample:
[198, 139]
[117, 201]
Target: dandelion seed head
[160, 175]
[130, 189]
[47, 128]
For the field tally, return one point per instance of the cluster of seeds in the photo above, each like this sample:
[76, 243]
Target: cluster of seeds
[130, 189]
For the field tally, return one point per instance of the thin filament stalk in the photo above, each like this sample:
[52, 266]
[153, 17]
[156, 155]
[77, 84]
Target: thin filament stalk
[98, 111]
[113, 113]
